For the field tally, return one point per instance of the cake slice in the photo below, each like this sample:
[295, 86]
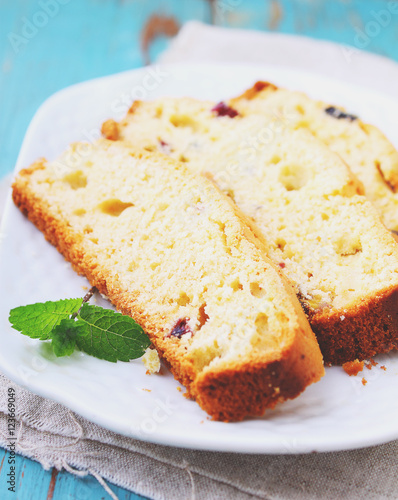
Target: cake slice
[170, 250]
[325, 236]
[366, 150]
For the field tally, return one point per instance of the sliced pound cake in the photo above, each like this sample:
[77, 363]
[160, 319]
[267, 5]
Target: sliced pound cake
[369, 154]
[172, 251]
[327, 238]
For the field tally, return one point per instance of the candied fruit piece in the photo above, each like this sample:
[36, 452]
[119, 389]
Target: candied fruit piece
[339, 114]
[165, 147]
[180, 328]
[221, 109]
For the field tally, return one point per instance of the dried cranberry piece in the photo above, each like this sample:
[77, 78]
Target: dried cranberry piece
[221, 109]
[165, 147]
[340, 115]
[282, 265]
[180, 328]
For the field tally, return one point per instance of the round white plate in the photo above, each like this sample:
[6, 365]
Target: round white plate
[337, 413]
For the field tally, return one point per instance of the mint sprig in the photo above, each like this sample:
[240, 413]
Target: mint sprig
[38, 320]
[73, 324]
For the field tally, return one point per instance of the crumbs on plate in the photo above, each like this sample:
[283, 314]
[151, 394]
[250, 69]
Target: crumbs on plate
[151, 361]
[353, 367]
[371, 363]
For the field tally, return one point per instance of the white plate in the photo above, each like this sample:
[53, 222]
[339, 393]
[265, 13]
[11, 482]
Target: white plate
[335, 414]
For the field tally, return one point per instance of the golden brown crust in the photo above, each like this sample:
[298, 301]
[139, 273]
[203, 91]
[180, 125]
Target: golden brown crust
[232, 394]
[366, 329]
[251, 93]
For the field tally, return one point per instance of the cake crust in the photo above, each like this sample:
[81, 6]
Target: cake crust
[366, 329]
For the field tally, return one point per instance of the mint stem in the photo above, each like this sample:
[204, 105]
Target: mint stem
[86, 298]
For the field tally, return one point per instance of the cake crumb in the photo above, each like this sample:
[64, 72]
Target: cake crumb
[364, 381]
[147, 390]
[353, 367]
[179, 389]
[370, 363]
[382, 367]
[84, 287]
[151, 361]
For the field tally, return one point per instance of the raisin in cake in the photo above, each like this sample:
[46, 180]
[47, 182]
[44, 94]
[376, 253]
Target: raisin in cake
[369, 154]
[318, 228]
[172, 251]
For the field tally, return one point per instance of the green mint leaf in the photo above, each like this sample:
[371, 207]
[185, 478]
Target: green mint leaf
[110, 335]
[37, 320]
[64, 337]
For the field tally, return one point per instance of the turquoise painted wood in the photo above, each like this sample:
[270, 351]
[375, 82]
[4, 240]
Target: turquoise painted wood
[46, 45]
[34, 483]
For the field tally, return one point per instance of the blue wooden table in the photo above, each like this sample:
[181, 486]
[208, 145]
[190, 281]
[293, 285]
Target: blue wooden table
[46, 45]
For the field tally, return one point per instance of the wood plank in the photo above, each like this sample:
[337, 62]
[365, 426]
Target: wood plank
[82, 40]
[87, 488]
[31, 480]
[34, 483]
[51, 486]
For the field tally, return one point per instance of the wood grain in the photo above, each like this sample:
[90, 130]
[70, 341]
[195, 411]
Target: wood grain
[51, 487]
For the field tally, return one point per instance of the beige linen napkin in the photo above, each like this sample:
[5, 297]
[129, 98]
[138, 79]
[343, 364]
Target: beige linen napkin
[55, 436]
